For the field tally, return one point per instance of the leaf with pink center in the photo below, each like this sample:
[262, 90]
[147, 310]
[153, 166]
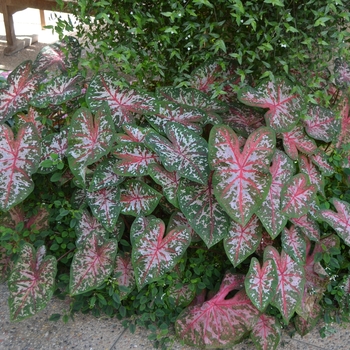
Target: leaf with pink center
[19, 159]
[90, 137]
[308, 226]
[181, 294]
[20, 89]
[320, 158]
[266, 333]
[261, 283]
[105, 205]
[105, 176]
[307, 167]
[339, 220]
[269, 213]
[293, 243]
[153, 254]
[343, 108]
[179, 219]
[296, 196]
[123, 102]
[125, 274]
[241, 180]
[243, 120]
[138, 226]
[296, 140]
[284, 105]
[92, 263]
[31, 283]
[183, 151]
[203, 212]
[133, 133]
[58, 91]
[169, 181]
[321, 124]
[242, 241]
[218, 322]
[291, 280]
[137, 198]
[342, 72]
[133, 159]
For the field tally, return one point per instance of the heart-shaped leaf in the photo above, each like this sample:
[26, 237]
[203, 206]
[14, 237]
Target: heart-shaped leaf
[31, 283]
[137, 198]
[339, 220]
[185, 152]
[242, 241]
[291, 279]
[19, 159]
[269, 213]
[320, 158]
[284, 105]
[308, 226]
[138, 226]
[293, 243]
[307, 167]
[178, 219]
[92, 264]
[266, 333]
[241, 180]
[153, 254]
[133, 133]
[125, 272]
[89, 139]
[203, 212]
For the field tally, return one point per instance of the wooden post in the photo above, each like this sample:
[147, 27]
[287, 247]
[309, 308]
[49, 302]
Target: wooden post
[42, 19]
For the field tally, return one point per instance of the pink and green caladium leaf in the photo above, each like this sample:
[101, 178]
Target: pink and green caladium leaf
[343, 108]
[243, 120]
[19, 159]
[166, 112]
[178, 219]
[291, 279]
[203, 212]
[133, 159]
[218, 322]
[261, 283]
[269, 213]
[153, 254]
[86, 226]
[320, 158]
[21, 86]
[32, 116]
[105, 176]
[296, 196]
[183, 151]
[137, 198]
[181, 294]
[342, 73]
[92, 263]
[296, 140]
[322, 124]
[308, 226]
[31, 283]
[293, 243]
[58, 91]
[266, 333]
[284, 105]
[307, 167]
[133, 133]
[90, 137]
[138, 227]
[125, 276]
[305, 326]
[105, 205]
[339, 220]
[169, 181]
[242, 240]
[124, 103]
[241, 180]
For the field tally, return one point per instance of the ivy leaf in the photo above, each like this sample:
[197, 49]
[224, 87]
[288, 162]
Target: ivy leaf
[134, 159]
[31, 283]
[123, 269]
[339, 220]
[92, 264]
[137, 198]
[185, 152]
[203, 212]
[266, 333]
[293, 244]
[282, 169]
[241, 180]
[295, 140]
[284, 105]
[89, 139]
[297, 195]
[291, 279]
[19, 159]
[20, 89]
[261, 283]
[242, 241]
[153, 254]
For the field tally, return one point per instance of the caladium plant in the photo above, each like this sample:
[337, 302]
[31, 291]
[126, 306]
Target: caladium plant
[150, 178]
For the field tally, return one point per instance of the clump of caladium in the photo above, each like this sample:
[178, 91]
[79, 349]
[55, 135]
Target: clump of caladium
[165, 170]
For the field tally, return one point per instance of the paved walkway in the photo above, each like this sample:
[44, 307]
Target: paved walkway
[86, 331]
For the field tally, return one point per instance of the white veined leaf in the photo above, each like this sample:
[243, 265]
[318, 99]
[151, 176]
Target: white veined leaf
[138, 226]
[266, 333]
[307, 167]
[293, 243]
[308, 226]
[133, 133]
[125, 272]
